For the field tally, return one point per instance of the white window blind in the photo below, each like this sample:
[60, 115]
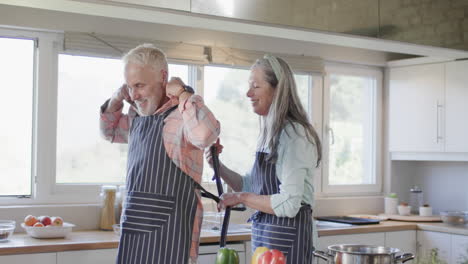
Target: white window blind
[90, 44]
[245, 58]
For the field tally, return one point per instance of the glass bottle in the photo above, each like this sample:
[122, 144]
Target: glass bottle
[416, 199]
[107, 208]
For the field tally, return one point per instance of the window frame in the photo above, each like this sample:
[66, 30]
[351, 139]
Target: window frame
[328, 190]
[45, 190]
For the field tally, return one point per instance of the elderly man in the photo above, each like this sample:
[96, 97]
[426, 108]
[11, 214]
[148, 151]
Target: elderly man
[166, 128]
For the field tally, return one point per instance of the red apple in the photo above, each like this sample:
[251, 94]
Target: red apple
[38, 224]
[57, 221]
[45, 220]
[30, 220]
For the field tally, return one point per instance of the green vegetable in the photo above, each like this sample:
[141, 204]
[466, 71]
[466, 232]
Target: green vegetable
[393, 195]
[227, 256]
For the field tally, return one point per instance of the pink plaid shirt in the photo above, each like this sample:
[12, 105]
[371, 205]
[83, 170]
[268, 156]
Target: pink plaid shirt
[186, 133]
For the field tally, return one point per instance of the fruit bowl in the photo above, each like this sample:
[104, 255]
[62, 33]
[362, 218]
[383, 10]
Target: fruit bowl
[48, 231]
[6, 229]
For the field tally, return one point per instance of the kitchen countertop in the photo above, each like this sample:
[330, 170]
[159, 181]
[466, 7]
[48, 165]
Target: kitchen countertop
[87, 240]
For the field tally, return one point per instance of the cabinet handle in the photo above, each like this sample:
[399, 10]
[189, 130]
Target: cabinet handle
[439, 137]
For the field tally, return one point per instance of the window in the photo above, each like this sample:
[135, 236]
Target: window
[225, 92]
[83, 156]
[352, 164]
[17, 70]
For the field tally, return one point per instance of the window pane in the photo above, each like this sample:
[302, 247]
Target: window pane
[82, 155]
[225, 92]
[352, 125]
[302, 84]
[16, 67]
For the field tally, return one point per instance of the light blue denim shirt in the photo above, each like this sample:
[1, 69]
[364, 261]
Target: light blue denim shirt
[295, 169]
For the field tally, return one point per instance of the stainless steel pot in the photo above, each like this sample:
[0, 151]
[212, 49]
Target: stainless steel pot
[362, 254]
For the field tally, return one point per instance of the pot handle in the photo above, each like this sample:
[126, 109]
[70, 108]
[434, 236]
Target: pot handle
[405, 257]
[320, 254]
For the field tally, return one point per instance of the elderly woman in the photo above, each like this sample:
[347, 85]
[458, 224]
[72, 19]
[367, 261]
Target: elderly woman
[280, 185]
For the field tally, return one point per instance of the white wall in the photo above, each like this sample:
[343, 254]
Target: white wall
[444, 184]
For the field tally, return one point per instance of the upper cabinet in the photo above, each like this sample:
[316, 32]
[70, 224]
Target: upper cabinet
[456, 101]
[416, 99]
[183, 5]
[427, 110]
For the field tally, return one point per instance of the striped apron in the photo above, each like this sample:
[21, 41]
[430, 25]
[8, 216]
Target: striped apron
[161, 201]
[292, 236]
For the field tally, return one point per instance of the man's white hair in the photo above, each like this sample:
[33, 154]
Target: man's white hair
[147, 54]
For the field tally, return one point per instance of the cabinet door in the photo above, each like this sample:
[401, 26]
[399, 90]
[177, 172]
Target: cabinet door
[43, 258]
[431, 242]
[405, 241]
[456, 109]
[102, 256]
[416, 98]
[372, 239]
[459, 249]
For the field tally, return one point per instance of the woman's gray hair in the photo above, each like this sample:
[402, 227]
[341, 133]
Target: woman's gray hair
[285, 108]
[147, 54]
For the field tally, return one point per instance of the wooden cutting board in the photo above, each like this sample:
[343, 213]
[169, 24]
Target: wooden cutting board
[414, 218]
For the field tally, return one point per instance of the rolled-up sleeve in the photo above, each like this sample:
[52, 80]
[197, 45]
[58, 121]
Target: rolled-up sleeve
[200, 125]
[247, 183]
[114, 126]
[296, 156]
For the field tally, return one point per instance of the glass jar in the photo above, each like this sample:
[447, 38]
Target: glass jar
[108, 193]
[416, 199]
[119, 203]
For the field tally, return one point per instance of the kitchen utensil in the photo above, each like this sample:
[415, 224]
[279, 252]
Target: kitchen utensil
[349, 220]
[219, 186]
[362, 254]
[7, 227]
[390, 205]
[454, 217]
[48, 231]
[416, 199]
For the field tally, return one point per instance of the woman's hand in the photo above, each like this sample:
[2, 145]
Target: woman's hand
[209, 157]
[230, 199]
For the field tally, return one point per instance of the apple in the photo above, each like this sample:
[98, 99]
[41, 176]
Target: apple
[30, 220]
[57, 221]
[45, 220]
[38, 224]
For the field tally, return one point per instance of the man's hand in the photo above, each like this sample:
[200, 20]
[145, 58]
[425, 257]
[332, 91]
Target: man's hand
[175, 89]
[116, 102]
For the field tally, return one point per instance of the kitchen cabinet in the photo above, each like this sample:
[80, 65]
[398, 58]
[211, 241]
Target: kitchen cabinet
[403, 240]
[426, 109]
[456, 109]
[416, 98]
[103, 256]
[183, 5]
[459, 252]
[43, 258]
[430, 242]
